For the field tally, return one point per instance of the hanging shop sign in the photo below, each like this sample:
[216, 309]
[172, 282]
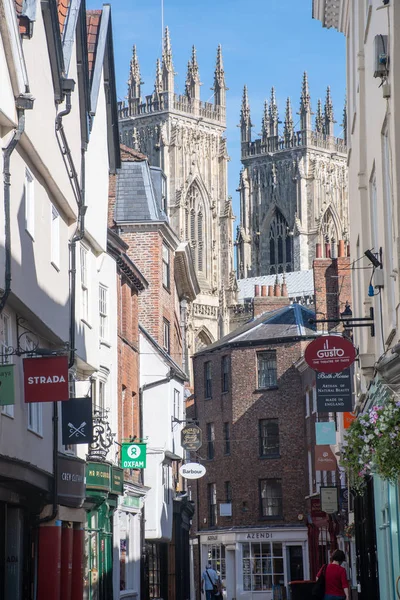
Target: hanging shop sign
[117, 481]
[77, 421]
[348, 418]
[71, 481]
[329, 499]
[7, 393]
[98, 476]
[325, 460]
[46, 379]
[191, 438]
[133, 456]
[325, 433]
[330, 354]
[192, 471]
[334, 392]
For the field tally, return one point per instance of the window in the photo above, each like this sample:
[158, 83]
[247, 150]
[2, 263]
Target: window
[166, 483]
[225, 364]
[195, 230]
[29, 203]
[314, 399]
[210, 441]
[307, 403]
[5, 342]
[154, 566]
[207, 379]
[262, 566]
[55, 237]
[177, 404]
[228, 492]
[269, 437]
[271, 497]
[164, 204]
[227, 438]
[166, 339]
[35, 413]
[84, 284]
[280, 245]
[103, 292]
[102, 395]
[267, 377]
[216, 556]
[165, 266]
[212, 504]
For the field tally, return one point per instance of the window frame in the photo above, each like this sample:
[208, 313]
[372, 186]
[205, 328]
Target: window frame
[228, 492]
[267, 355]
[55, 237]
[166, 335]
[212, 504]
[227, 438]
[263, 445]
[279, 513]
[35, 409]
[5, 343]
[225, 373]
[103, 312]
[83, 256]
[210, 431]
[29, 203]
[166, 267]
[208, 380]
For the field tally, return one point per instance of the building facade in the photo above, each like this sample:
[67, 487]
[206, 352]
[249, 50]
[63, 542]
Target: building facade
[293, 188]
[184, 136]
[251, 502]
[373, 156]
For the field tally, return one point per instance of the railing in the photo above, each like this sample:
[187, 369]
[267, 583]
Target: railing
[167, 101]
[297, 140]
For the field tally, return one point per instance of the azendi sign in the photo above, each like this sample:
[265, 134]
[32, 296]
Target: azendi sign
[330, 354]
[46, 379]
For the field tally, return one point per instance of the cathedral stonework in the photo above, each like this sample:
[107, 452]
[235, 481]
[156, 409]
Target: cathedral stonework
[293, 189]
[185, 137]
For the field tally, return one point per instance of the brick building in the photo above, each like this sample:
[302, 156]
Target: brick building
[249, 404]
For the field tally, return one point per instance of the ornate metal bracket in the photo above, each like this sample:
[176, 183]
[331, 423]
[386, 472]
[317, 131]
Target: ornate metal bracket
[103, 437]
[22, 332]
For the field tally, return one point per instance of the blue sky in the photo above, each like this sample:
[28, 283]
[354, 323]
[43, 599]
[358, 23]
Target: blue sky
[265, 43]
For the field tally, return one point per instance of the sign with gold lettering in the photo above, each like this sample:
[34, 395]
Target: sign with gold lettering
[98, 476]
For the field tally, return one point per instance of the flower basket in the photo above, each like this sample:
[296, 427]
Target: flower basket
[372, 445]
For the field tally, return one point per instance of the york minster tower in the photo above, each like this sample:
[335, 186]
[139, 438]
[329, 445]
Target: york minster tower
[293, 188]
[185, 137]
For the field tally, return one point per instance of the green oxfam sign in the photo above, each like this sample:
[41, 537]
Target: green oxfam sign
[133, 456]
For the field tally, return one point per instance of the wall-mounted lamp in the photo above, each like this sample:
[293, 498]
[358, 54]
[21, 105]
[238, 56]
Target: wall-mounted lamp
[372, 258]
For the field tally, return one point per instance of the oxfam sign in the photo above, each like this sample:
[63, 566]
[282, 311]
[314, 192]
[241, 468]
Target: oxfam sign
[133, 456]
[330, 354]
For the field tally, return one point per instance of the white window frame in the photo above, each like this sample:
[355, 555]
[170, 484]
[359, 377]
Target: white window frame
[103, 312]
[35, 409]
[177, 404]
[166, 335]
[83, 255]
[55, 237]
[6, 333]
[166, 267]
[314, 400]
[29, 203]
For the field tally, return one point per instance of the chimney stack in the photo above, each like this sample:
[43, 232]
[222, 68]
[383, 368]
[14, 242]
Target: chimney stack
[277, 298]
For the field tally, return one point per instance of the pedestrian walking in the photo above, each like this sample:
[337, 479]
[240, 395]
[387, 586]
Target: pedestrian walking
[336, 584]
[210, 583]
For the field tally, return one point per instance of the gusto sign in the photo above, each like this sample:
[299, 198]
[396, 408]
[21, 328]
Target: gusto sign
[330, 354]
[46, 379]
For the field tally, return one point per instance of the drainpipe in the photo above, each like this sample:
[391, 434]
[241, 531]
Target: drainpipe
[183, 305]
[22, 103]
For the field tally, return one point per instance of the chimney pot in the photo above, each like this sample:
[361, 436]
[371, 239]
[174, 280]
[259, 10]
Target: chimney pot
[263, 290]
[256, 290]
[318, 251]
[277, 290]
[327, 250]
[284, 291]
[341, 250]
[348, 249]
[270, 290]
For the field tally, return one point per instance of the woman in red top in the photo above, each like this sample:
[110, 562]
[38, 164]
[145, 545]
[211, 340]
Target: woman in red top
[336, 584]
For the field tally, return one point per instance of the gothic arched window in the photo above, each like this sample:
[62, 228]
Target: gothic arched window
[280, 245]
[195, 229]
[329, 231]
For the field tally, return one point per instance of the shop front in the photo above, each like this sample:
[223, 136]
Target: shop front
[252, 563]
[104, 485]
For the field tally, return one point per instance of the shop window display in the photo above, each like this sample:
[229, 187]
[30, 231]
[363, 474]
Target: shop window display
[262, 566]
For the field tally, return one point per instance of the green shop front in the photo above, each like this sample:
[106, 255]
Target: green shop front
[104, 485]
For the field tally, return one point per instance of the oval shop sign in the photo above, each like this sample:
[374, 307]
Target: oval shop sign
[330, 354]
[192, 471]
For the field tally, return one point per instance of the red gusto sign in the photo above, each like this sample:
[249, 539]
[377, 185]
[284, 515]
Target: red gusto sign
[330, 354]
[46, 379]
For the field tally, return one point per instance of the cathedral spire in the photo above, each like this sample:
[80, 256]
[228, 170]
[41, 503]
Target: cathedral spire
[158, 84]
[344, 124]
[328, 113]
[219, 87]
[288, 125]
[305, 105]
[245, 121]
[167, 65]
[319, 119]
[134, 81]
[265, 128]
[192, 87]
[273, 114]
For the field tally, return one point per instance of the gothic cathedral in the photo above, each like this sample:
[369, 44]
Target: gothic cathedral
[185, 137]
[293, 189]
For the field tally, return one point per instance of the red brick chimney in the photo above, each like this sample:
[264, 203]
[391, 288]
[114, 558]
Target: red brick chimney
[277, 298]
[332, 285]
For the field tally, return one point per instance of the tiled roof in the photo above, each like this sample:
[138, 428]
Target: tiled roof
[93, 18]
[23, 22]
[62, 10]
[129, 154]
[281, 324]
[299, 284]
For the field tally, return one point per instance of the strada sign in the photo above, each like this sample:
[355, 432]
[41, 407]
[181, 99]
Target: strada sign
[330, 354]
[46, 379]
[192, 471]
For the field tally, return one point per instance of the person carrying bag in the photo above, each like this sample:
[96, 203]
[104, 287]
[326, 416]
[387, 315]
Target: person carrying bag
[332, 581]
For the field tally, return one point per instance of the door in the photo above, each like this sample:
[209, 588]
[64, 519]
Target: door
[294, 559]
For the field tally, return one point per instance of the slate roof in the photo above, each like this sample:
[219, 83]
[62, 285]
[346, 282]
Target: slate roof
[135, 197]
[299, 283]
[93, 18]
[280, 325]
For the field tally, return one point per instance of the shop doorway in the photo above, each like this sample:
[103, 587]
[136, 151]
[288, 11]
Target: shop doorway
[295, 566]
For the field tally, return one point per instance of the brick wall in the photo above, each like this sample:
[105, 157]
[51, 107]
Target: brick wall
[332, 283]
[242, 407]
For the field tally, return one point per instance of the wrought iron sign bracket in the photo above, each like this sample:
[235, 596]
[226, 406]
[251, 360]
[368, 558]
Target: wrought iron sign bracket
[19, 350]
[176, 420]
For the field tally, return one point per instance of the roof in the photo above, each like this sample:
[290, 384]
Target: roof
[175, 368]
[280, 325]
[299, 284]
[93, 18]
[62, 10]
[116, 247]
[129, 154]
[135, 196]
